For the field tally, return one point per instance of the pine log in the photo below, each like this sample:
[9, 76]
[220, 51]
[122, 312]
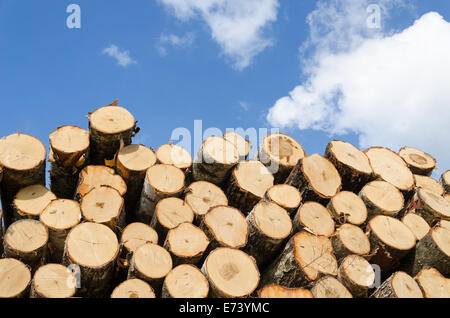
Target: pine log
[30, 201]
[109, 128]
[269, 228]
[430, 206]
[305, 258]
[185, 281]
[447, 197]
[104, 205]
[398, 285]
[247, 185]
[94, 248]
[60, 216]
[169, 213]
[390, 240]
[285, 196]
[225, 227]
[390, 167]
[357, 275]
[242, 145]
[27, 241]
[352, 164]
[186, 243]
[231, 273]
[316, 178]
[161, 181]
[444, 224]
[314, 218]
[214, 160]
[15, 278]
[350, 240]
[22, 158]
[69, 147]
[53, 281]
[418, 162]
[277, 291]
[201, 196]
[382, 198]
[347, 207]
[418, 226]
[133, 288]
[280, 153]
[428, 183]
[1, 232]
[445, 181]
[433, 284]
[132, 163]
[174, 155]
[330, 287]
[150, 263]
[95, 176]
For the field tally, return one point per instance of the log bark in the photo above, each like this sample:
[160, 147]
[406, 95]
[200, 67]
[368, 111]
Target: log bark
[277, 291]
[185, 281]
[316, 178]
[398, 285]
[430, 206]
[418, 162]
[314, 218]
[445, 181]
[382, 198]
[330, 287]
[433, 284]
[247, 185]
[352, 164]
[242, 145]
[16, 278]
[357, 275]
[53, 281]
[231, 273]
[350, 240]
[269, 228]
[347, 207]
[22, 158]
[133, 288]
[285, 196]
[30, 201]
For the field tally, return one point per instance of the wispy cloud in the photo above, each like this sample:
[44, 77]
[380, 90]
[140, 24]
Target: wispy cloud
[166, 40]
[122, 56]
[244, 105]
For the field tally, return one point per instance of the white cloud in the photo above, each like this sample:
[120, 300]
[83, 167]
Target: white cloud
[123, 57]
[166, 40]
[237, 26]
[244, 105]
[391, 89]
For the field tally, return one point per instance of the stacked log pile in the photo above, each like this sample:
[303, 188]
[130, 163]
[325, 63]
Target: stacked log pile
[121, 220]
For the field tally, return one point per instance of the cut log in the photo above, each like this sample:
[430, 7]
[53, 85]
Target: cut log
[242, 145]
[352, 164]
[398, 285]
[444, 224]
[225, 227]
[214, 160]
[430, 206]
[133, 288]
[390, 167]
[382, 198]
[269, 228]
[280, 153]
[94, 248]
[305, 258]
[357, 275]
[445, 181]
[418, 162]
[447, 197]
[132, 164]
[277, 291]
[433, 284]
[60, 216]
[1, 232]
[433, 251]
[177, 156]
[135, 235]
[428, 183]
[316, 178]
[347, 207]
[30, 201]
[161, 181]
[169, 213]
[150, 263]
[350, 240]
[53, 281]
[202, 196]
[104, 205]
[69, 146]
[416, 224]
[15, 278]
[27, 241]
[95, 176]
[22, 158]
[390, 240]
[330, 287]
[285, 196]
[247, 185]
[186, 243]
[231, 273]
[185, 281]
[109, 128]
[314, 218]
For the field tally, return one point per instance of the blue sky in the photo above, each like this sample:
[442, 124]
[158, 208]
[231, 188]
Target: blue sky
[51, 75]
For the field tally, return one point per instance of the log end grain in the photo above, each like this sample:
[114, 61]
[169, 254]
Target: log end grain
[133, 288]
[15, 278]
[185, 281]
